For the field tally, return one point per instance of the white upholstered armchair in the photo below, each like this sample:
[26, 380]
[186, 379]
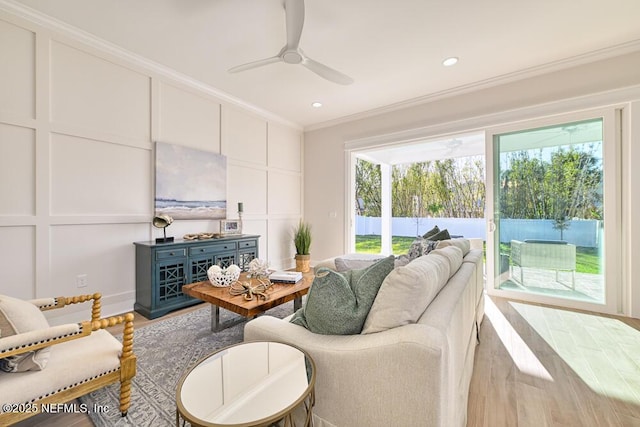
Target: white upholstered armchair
[42, 364]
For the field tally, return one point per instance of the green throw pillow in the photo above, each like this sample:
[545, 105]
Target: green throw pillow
[338, 303]
[441, 235]
[431, 232]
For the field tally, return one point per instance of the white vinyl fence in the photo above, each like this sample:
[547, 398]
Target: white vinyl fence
[585, 233]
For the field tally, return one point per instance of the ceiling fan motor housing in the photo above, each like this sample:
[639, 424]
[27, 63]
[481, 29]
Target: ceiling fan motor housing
[292, 57]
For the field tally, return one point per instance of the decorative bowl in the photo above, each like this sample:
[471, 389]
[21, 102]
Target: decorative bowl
[222, 277]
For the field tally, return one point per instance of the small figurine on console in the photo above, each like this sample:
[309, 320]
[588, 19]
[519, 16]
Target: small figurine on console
[163, 221]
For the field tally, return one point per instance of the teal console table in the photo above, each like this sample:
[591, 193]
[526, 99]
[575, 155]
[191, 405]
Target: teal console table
[162, 269]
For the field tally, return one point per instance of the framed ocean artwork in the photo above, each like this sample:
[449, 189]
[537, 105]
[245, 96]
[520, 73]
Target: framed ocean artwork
[190, 183]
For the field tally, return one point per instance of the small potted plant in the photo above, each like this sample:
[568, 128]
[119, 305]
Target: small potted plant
[302, 241]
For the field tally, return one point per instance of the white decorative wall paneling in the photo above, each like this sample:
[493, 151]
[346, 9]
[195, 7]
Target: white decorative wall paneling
[78, 119]
[188, 118]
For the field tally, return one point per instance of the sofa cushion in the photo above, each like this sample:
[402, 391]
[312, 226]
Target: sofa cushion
[16, 317]
[453, 255]
[67, 367]
[343, 264]
[356, 261]
[473, 257]
[338, 303]
[346, 263]
[406, 293]
[463, 244]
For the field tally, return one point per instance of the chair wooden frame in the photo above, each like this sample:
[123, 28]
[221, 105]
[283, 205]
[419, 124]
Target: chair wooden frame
[123, 375]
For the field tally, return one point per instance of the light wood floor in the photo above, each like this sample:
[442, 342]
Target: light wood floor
[540, 366]
[535, 366]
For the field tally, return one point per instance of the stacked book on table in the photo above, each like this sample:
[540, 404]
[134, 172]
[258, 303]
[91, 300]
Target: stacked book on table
[285, 276]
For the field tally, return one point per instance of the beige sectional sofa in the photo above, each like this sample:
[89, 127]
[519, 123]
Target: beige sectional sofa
[416, 373]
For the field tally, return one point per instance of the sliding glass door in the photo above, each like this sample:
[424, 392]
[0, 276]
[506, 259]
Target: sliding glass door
[554, 211]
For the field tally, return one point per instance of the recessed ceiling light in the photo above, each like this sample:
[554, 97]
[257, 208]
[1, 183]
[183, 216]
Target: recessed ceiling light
[450, 61]
[316, 104]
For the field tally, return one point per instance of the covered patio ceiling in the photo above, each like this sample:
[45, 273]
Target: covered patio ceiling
[454, 146]
[473, 144]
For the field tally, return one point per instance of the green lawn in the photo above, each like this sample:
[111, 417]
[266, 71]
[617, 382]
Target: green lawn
[587, 259]
[370, 244]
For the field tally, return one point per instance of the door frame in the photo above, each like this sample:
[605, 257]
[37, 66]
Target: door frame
[613, 243]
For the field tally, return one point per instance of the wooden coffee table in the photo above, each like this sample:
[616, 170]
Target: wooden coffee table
[278, 293]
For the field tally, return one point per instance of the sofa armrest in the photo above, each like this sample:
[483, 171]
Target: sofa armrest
[40, 338]
[37, 339]
[45, 303]
[127, 333]
[127, 358]
[272, 328]
[404, 364]
[60, 302]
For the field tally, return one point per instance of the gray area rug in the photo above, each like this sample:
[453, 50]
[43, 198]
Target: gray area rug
[165, 350]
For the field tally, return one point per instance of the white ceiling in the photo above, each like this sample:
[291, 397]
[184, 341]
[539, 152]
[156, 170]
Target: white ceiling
[392, 49]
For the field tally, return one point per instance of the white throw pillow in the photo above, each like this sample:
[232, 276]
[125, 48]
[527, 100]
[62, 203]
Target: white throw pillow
[16, 317]
[406, 292]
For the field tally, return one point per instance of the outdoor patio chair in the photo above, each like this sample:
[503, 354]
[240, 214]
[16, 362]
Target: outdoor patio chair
[42, 366]
[555, 255]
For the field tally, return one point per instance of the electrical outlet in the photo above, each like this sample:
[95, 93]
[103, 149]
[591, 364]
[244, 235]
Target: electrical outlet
[81, 280]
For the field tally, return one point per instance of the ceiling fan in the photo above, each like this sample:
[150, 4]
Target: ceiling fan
[291, 52]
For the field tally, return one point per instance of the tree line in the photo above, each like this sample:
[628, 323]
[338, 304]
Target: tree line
[561, 185]
[452, 188]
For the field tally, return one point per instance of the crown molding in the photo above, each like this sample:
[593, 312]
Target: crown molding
[597, 55]
[52, 24]
[614, 97]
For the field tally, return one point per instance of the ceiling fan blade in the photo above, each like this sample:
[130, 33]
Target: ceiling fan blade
[255, 64]
[294, 10]
[326, 72]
